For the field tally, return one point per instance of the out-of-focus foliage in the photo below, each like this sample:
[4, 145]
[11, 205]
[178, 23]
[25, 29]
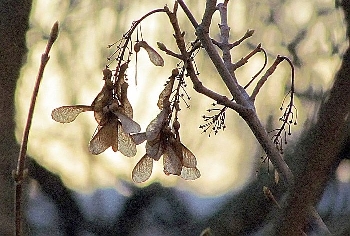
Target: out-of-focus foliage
[309, 32]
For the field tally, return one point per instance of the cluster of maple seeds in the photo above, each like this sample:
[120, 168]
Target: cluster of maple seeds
[117, 129]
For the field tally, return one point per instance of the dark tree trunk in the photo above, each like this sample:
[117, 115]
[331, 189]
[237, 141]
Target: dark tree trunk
[14, 17]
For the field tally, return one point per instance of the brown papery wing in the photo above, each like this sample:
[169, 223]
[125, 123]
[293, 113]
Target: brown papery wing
[126, 144]
[190, 173]
[143, 169]
[165, 94]
[154, 149]
[127, 108]
[128, 124]
[139, 137]
[171, 162]
[67, 114]
[188, 159]
[153, 55]
[156, 125]
[103, 139]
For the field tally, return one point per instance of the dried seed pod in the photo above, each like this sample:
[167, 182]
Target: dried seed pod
[153, 55]
[156, 125]
[67, 114]
[104, 138]
[165, 94]
[171, 162]
[176, 125]
[175, 72]
[143, 169]
[107, 74]
[139, 138]
[137, 47]
[126, 144]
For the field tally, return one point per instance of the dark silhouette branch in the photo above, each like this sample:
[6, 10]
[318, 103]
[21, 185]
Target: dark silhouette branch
[240, 95]
[19, 175]
[14, 24]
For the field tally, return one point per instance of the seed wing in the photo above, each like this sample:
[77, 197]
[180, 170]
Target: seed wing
[165, 94]
[143, 169]
[190, 173]
[67, 114]
[128, 124]
[153, 55]
[139, 138]
[103, 139]
[154, 128]
[127, 108]
[154, 149]
[171, 162]
[126, 144]
[188, 159]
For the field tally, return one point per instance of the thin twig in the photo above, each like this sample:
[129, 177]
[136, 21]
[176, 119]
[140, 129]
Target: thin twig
[188, 13]
[247, 34]
[197, 84]
[264, 78]
[258, 73]
[19, 174]
[245, 59]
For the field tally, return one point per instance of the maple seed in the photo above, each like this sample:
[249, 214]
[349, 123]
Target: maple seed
[175, 72]
[137, 47]
[153, 55]
[176, 125]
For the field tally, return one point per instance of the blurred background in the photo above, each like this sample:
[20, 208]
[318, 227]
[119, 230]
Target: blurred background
[72, 192]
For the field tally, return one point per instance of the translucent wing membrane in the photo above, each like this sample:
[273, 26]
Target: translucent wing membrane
[188, 159]
[153, 55]
[139, 138]
[143, 169]
[126, 144]
[104, 138]
[128, 124]
[154, 149]
[165, 94]
[190, 173]
[172, 164]
[67, 114]
[154, 128]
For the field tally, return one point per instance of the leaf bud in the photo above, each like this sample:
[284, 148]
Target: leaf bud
[161, 46]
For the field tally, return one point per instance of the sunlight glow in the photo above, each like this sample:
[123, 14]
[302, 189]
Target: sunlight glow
[74, 76]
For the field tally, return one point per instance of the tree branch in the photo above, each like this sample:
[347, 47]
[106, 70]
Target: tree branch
[19, 175]
[242, 98]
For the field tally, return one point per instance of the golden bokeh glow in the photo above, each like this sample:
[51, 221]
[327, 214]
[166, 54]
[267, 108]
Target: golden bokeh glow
[74, 76]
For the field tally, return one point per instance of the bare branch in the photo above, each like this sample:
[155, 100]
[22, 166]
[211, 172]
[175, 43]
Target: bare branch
[210, 8]
[247, 34]
[258, 73]
[197, 84]
[188, 13]
[19, 175]
[264, 78]
[245, 59]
